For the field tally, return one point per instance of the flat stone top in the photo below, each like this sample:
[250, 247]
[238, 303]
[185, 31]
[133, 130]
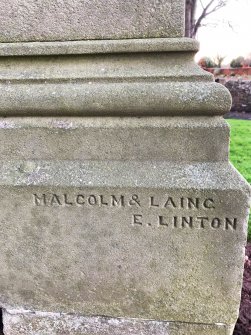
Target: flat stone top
[69, 20]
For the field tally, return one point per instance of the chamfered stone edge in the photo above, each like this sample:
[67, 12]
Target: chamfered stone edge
[25, 322]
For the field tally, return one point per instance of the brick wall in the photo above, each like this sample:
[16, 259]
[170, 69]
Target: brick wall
[240, 71]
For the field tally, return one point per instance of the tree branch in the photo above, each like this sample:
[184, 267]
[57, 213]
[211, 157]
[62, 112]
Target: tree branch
[201, 3]
[205, 12]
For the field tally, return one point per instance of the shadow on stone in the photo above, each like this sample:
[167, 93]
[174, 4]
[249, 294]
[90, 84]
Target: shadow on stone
[1, 322]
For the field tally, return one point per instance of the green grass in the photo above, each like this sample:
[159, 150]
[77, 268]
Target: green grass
[240, 150]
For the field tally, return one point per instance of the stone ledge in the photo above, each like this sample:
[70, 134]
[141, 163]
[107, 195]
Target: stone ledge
[98, 47]
[32, 323]
[149, 174]
[79, 138]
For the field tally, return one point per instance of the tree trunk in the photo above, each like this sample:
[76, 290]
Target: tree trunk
[190, 18]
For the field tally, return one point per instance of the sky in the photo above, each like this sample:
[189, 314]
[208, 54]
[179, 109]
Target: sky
[227, 32]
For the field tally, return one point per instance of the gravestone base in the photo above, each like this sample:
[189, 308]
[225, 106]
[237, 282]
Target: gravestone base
[120, 213]
[38, 323]
[132, 218]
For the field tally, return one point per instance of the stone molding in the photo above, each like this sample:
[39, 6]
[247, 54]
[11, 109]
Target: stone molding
[135, 83]
[98, 46]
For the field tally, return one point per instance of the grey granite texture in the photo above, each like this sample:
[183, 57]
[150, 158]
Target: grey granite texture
[62, 20]
[24, 323]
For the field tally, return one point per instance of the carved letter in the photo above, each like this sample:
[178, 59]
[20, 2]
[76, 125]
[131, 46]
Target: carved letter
[187, 221]
[162, 221]
[118, 202]
[137, 219]
[152, 204]
[170, 202]
[66, 200]
[80, 199]
[231, 223]
[39, 201]
[55, 200]
[193, 203]
[202, 219]
[216, 223]
[209, 203]
[92, 200]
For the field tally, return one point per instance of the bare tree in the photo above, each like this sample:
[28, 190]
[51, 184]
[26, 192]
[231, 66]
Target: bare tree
[193, 23]
[218, 59]
[190, 17]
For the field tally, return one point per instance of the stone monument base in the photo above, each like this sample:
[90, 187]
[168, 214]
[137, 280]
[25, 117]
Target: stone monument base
[131, 218]
[34, 323]
[120, 212]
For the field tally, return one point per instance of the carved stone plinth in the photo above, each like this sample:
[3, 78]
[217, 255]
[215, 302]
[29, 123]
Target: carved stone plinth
[120, 212]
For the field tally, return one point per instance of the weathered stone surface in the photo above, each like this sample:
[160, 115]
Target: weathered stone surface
[77, 138]
[30, 20]
[59, 323]
[114, 99]
[128, 239]
[133, 216]
[161, 81]
[98, 47]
